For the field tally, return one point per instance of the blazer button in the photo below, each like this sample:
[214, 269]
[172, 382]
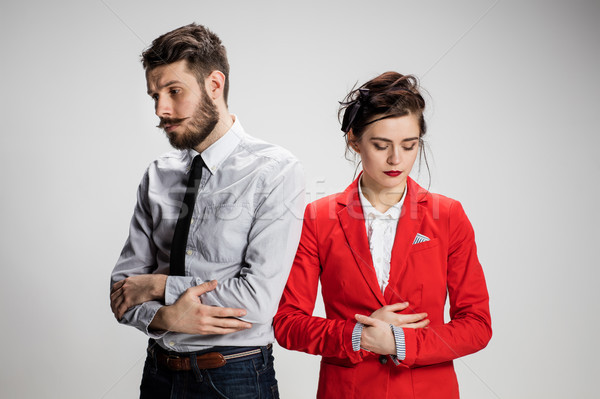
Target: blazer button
[383, 359]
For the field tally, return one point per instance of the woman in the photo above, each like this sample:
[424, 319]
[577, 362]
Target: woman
[388, 253]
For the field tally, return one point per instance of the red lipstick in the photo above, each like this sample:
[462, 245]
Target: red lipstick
[393, 173]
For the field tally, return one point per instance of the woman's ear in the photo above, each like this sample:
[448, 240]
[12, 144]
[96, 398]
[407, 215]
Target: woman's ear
[353, 142]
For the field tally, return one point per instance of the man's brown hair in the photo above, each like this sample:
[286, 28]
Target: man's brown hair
[201, 48]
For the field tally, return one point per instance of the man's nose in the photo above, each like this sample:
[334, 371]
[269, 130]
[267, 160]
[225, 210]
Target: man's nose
[163, 107]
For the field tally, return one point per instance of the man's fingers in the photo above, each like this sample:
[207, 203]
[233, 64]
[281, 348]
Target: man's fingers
[117, 285]
[114, 296]
[214, 311]
[202, 288]
[115, 301]
[118, 307]
[220, 330]
[217, 311]
[232, 323]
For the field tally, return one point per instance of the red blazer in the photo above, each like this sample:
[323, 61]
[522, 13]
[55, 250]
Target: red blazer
[334, 248]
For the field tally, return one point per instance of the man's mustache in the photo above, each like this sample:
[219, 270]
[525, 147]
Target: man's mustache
[169, 121]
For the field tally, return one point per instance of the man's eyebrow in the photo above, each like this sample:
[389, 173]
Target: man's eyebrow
[389, 141]
[169, 83]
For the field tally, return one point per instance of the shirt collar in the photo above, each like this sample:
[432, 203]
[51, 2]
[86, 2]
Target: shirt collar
[370, 212]
[218, 151]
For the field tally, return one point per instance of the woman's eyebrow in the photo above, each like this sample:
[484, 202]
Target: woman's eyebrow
[410, 139]
[389, 141]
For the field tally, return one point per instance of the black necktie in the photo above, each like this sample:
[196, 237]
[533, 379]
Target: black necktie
[182, 228]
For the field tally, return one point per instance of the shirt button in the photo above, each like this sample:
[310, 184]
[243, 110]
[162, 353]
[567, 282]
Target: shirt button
[192, 220]
[189, 252]
[383, 359]
[171, 343]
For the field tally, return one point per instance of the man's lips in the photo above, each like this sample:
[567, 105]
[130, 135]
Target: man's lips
[393, 173]
[168, 128]
[170, 124]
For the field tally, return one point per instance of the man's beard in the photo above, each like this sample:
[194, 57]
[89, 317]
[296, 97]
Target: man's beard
[200, 125]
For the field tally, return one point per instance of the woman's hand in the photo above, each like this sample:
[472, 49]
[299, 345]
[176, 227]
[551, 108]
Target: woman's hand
[377, 336]
[388, 315]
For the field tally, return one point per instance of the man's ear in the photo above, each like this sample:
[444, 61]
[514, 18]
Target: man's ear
[215, 84]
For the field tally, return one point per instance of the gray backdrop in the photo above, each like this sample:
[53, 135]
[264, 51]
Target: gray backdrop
[513, 105]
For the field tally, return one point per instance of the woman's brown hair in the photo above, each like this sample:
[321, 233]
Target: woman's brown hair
[390, 94]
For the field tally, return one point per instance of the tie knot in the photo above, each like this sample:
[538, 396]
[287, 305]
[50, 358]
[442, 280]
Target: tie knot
[197, 164]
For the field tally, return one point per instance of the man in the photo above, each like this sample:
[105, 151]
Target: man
[213, 234]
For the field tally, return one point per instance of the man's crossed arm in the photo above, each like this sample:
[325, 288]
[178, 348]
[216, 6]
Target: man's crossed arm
[187, 315]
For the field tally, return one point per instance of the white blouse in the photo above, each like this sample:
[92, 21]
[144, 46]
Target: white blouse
[381, 231]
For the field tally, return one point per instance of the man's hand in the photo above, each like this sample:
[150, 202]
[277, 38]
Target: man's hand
[388, 314]
[136, 290]
[377, 336]
[188, 315]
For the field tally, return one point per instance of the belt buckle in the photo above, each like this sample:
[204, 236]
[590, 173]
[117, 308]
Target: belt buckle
[172, 357]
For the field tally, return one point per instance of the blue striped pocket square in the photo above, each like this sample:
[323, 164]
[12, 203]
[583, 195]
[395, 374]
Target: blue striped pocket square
[420, 238]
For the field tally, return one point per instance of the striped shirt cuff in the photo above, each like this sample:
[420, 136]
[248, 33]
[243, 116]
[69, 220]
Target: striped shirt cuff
[400, 343]
[356, 334]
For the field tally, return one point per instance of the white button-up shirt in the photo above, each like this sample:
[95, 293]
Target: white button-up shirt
[245, 231]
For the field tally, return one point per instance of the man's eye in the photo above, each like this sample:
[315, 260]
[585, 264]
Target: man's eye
[175, 91]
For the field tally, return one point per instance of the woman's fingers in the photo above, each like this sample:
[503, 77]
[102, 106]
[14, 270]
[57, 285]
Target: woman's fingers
[396, 307]
[366, 320]
[420, 324]
[387, 314]
[410, 318]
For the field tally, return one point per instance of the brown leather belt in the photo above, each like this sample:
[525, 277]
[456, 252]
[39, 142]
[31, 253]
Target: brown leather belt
[210, 360]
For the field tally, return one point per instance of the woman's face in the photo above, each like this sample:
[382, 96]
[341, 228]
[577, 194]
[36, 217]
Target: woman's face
[388, 149]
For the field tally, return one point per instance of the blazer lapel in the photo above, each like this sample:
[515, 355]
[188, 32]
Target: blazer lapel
[352, 220]
[408, 227]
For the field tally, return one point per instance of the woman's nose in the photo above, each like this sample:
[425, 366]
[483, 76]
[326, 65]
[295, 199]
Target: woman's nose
[394, 157]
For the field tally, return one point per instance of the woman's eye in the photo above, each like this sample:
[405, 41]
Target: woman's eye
[381, 148]
[409, 148]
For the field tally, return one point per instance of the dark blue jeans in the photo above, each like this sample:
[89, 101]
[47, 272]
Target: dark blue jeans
[252, 377]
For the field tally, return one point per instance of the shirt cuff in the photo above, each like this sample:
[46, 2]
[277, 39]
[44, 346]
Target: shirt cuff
[141, 316]
[400, 342]
[356, 334]
[176, 286]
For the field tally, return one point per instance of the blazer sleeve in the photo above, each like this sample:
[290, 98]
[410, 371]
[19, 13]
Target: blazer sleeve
[294, 325]
[469, 329]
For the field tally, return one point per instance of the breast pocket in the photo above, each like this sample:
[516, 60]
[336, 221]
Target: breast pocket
[427, 264]
[222, 233]
[424, 245]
